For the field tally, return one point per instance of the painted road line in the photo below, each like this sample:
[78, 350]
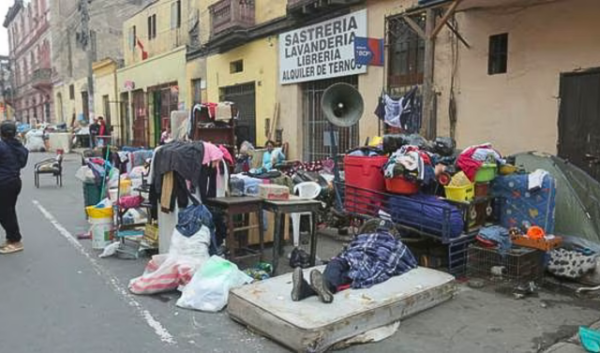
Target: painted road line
[113, 281]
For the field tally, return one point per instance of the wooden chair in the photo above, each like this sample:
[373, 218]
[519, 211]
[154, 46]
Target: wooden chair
[51, 166]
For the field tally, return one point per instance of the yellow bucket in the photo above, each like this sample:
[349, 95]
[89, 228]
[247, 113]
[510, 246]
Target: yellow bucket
[99, 213]
[460, 193]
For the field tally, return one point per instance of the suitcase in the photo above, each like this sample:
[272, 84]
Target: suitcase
[517, 204]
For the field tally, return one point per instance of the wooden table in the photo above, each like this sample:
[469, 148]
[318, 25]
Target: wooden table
[232, 206]
[282, 208]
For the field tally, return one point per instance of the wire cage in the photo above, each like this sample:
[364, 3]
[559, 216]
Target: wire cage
[519, 264]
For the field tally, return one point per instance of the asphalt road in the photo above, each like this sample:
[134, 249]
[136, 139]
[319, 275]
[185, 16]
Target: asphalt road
[58, 296]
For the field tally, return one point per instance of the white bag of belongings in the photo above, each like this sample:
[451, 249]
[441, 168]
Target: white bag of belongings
[210, 286]
[175, 269]
[85, 175]
[34, 141]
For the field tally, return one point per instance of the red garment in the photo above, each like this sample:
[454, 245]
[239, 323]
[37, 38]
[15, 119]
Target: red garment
[226, 155]
[102, 131]
[467, 164]
[212, 109]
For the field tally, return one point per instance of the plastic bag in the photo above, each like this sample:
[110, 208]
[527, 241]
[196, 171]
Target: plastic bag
[165, 273]
[444, 146]
[174, 270]
[194, 246]
[246, 148]
[35, 141]
[86, 175]
[209, 288]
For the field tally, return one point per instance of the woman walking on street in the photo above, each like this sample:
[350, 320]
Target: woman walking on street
[13, 158]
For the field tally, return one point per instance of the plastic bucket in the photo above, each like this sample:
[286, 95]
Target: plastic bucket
[486, 173]
[102, 231]
[401, 186]
[460, 193]
[101, 220]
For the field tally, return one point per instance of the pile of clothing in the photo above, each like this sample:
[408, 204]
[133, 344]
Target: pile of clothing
[131, 158]
[474, 157]
[411, 163]
[316, 166]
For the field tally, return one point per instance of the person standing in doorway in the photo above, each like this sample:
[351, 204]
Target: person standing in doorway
[13, 158]
[94, 131]
[101, 132]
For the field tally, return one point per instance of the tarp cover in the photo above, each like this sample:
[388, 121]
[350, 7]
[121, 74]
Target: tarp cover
[577, 197]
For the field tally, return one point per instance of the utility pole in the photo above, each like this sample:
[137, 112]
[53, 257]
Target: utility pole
[86, 41]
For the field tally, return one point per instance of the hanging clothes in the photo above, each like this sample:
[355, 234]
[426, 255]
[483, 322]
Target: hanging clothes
[393, 111]
[183, 157]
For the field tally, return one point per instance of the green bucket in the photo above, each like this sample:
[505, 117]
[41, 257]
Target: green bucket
[486, 173]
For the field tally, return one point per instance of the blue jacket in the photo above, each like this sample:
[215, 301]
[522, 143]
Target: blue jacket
[13, 158]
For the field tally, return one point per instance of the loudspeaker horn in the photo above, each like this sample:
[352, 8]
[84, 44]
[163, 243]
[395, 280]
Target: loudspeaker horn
[342, 105]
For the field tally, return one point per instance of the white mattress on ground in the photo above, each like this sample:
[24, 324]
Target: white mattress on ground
[312, 326]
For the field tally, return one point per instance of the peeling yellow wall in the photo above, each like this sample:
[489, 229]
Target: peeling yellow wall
[105, 84]
[260, 66]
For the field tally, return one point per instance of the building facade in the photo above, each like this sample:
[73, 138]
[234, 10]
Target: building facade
[525, 76]
[6, 92]
[71, 91]
[28, 25]
[153, 81]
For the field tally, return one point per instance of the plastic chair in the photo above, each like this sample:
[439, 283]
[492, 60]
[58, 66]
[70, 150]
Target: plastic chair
[309, 191]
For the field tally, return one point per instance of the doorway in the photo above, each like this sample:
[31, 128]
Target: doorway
[140, 120]
[579, 120]
[125, 126]
[244, 97]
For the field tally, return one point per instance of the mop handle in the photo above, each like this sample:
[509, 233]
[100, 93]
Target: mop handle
[105, 170]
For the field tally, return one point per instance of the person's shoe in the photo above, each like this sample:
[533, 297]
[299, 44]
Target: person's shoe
[301, 289]
[10, 247]
[319, 285]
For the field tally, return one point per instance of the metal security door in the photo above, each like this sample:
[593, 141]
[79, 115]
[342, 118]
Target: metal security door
[244, 97]
[140, 122]
[317, 144]
[579, 121]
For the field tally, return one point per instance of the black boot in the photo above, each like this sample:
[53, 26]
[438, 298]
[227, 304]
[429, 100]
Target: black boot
[319, 284]
[301, 289]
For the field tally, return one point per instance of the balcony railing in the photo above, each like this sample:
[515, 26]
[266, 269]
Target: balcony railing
[229, 15]
[41, 79]
[309, 6]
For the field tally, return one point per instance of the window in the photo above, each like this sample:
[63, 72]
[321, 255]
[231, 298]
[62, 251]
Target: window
[197, 90]
[132, 38]
[152, 27]
[236, 66]
[406, 54]
[176, 14]
[498, 55]
[72, 92]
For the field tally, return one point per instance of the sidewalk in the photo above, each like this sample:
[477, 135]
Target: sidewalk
[572, 345]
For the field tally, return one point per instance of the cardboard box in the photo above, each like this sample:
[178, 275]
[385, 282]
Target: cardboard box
[273, 192]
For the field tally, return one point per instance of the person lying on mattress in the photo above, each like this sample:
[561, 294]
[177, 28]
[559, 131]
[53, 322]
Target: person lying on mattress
[370, 259]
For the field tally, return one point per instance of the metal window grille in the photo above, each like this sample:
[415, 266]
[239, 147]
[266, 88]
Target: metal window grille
[317, 144]
[244, 97]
